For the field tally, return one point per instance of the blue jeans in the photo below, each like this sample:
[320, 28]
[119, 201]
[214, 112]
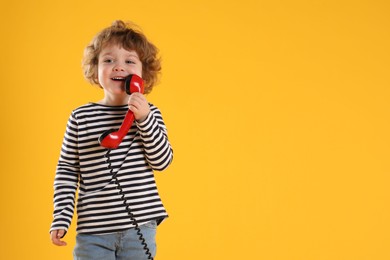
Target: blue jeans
[124, 245]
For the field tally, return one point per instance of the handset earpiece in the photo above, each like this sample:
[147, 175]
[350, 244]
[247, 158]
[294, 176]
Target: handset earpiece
[111, 139]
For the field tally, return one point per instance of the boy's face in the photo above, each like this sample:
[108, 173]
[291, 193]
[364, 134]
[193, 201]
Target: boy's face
[114, 64]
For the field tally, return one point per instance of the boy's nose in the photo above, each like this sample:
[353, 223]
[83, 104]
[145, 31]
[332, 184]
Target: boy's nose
[118, 68]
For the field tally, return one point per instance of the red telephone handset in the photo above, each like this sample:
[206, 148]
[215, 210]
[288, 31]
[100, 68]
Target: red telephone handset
[111, 139]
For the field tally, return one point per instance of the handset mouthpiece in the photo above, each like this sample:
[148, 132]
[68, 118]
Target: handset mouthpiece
[134, 83]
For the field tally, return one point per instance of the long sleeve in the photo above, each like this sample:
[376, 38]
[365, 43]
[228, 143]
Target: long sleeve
[66, 178]
[83, 168]
[153, 132]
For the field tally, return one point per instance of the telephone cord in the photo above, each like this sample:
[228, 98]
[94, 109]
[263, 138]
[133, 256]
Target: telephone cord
[127, 206]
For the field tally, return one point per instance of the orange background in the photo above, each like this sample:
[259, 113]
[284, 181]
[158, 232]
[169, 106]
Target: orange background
[277, 112]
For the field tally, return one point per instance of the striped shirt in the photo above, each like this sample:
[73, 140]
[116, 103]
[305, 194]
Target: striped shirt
[82, 165]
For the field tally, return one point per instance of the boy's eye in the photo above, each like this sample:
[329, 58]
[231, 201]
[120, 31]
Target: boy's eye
[107, 60]
[130, 62]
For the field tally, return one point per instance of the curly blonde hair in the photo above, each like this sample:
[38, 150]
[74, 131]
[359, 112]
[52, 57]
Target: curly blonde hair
[128, 37]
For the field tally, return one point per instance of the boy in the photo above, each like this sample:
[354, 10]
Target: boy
[105, 229]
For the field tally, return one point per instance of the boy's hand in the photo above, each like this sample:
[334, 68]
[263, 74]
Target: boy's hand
[56, 235]
[139, 106]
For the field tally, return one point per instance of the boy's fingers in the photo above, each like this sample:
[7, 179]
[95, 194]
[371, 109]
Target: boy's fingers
[60, 233]
[56, 237]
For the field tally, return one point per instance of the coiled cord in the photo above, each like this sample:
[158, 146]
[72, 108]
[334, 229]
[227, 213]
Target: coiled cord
[128, 209]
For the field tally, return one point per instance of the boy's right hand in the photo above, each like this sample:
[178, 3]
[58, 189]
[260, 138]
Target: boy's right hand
[56, 236]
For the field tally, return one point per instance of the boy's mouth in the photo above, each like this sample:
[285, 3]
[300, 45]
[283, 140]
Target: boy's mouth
[119, 78]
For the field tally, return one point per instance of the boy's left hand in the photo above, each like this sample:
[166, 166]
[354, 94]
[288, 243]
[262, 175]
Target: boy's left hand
[139, 106]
